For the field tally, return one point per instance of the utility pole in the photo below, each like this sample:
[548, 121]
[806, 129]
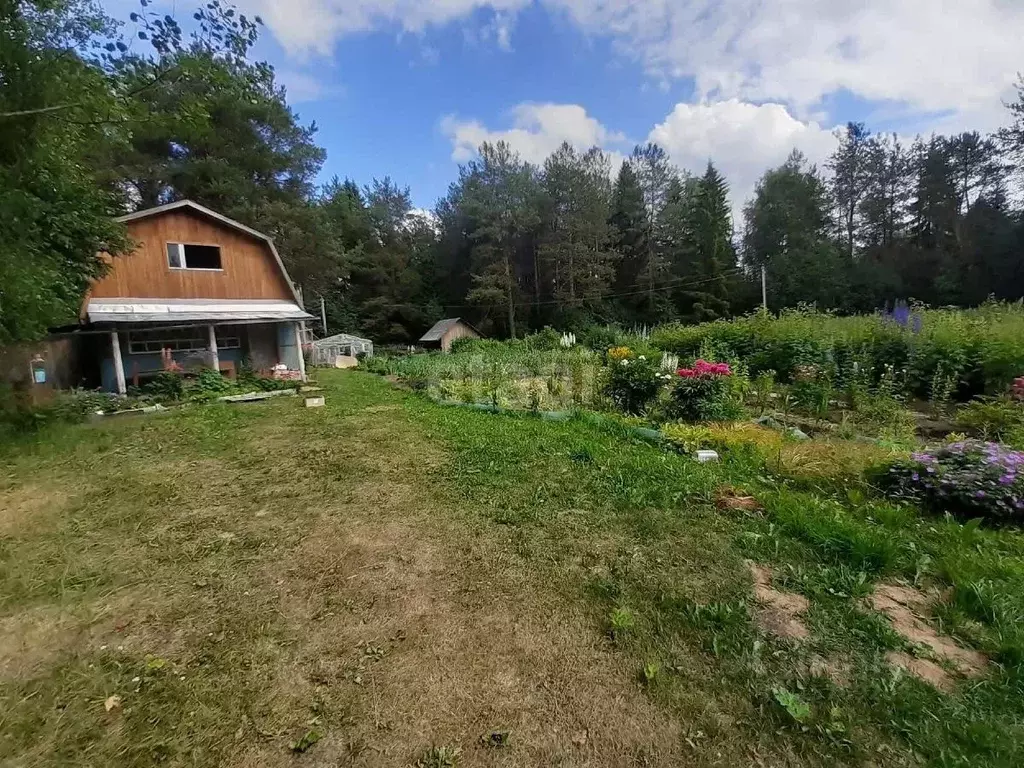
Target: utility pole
[764, 289]
[323, 315]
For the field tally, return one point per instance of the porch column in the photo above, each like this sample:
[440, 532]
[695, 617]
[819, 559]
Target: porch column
[115, 344]
[214, 356]
[298, 349]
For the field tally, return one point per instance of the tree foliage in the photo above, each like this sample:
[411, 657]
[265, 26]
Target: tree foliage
[94, 124]
[55, 217]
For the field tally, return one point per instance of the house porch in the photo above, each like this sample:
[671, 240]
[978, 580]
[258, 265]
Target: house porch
[133, 355]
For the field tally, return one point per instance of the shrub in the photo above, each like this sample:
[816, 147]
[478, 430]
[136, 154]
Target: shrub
[544, 341]
[166, 385]
[211, 381]
[19, 414]
[599, 337]
[704, 393]
[467, 345]
[727, 438]
[812, 390]
[77, 406]
[955, 354]
[632, 381]
[968, 478]
[689, 438]
[992, 418]
[209, 385]
[886, 418]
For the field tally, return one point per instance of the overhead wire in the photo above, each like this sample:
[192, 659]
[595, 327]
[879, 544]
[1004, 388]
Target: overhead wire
[676, 284]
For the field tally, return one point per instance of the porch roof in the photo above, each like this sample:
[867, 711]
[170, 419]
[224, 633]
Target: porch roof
[192, 310]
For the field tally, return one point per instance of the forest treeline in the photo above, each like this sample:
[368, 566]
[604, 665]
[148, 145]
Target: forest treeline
[97, 119]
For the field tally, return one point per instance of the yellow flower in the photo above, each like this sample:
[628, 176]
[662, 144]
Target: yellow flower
[620, 353]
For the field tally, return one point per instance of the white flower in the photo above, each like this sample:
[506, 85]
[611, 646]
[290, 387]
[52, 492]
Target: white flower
[642, 357]
[625, 362]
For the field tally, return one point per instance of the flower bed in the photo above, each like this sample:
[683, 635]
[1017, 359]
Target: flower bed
[704, 393]
[969, 478]
[633, 381]
[941, 354]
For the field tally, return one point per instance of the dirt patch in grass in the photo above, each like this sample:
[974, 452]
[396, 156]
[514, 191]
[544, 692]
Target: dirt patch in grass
[924, 669]
[28, 505]
[36, 637]
[905, 606]
[836, 670]
[780, 613]
[31, 639]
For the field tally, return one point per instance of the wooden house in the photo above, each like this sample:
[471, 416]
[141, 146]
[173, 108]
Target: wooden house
[200, 289]
[445, 332]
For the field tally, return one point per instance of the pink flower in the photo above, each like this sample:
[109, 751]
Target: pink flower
[704, 368]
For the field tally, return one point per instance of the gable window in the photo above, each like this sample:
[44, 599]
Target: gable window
[186, 256]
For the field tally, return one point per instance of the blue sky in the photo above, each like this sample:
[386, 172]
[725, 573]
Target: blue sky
[408, 88]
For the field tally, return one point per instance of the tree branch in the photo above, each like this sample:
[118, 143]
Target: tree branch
[73, 104]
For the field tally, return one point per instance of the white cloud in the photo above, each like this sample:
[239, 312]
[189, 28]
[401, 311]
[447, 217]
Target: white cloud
[932, 55]
[742, 139]
[537, 131]
[314, 26]
[500, 31]
[302, 87]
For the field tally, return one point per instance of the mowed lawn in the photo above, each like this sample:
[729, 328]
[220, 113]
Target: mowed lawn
[391, 582]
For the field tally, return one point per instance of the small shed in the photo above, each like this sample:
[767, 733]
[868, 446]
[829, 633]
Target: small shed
[327, 351]
[445, 332]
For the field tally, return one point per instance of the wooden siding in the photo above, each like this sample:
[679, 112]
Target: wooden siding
[457, 331]
[248, 268]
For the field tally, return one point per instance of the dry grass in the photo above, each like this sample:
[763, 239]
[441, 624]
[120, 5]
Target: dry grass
[26, 505]
[242, 577]
[384, 581]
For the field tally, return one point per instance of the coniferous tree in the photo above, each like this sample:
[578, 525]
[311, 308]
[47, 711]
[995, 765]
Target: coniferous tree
[87, 124]
[712, 256]
[788, 233]
[851, 168]
[654, 174]
[574, 227]
[500, 196]
[628, 224]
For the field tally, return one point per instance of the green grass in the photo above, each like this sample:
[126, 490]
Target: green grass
[635, 530]
[186, 518]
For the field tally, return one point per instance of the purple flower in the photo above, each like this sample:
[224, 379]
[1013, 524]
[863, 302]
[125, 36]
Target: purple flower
[915, 477]
[1007, 479]
[980, 494]
[900, 314]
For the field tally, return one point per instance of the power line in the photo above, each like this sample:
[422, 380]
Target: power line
[671, 285]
